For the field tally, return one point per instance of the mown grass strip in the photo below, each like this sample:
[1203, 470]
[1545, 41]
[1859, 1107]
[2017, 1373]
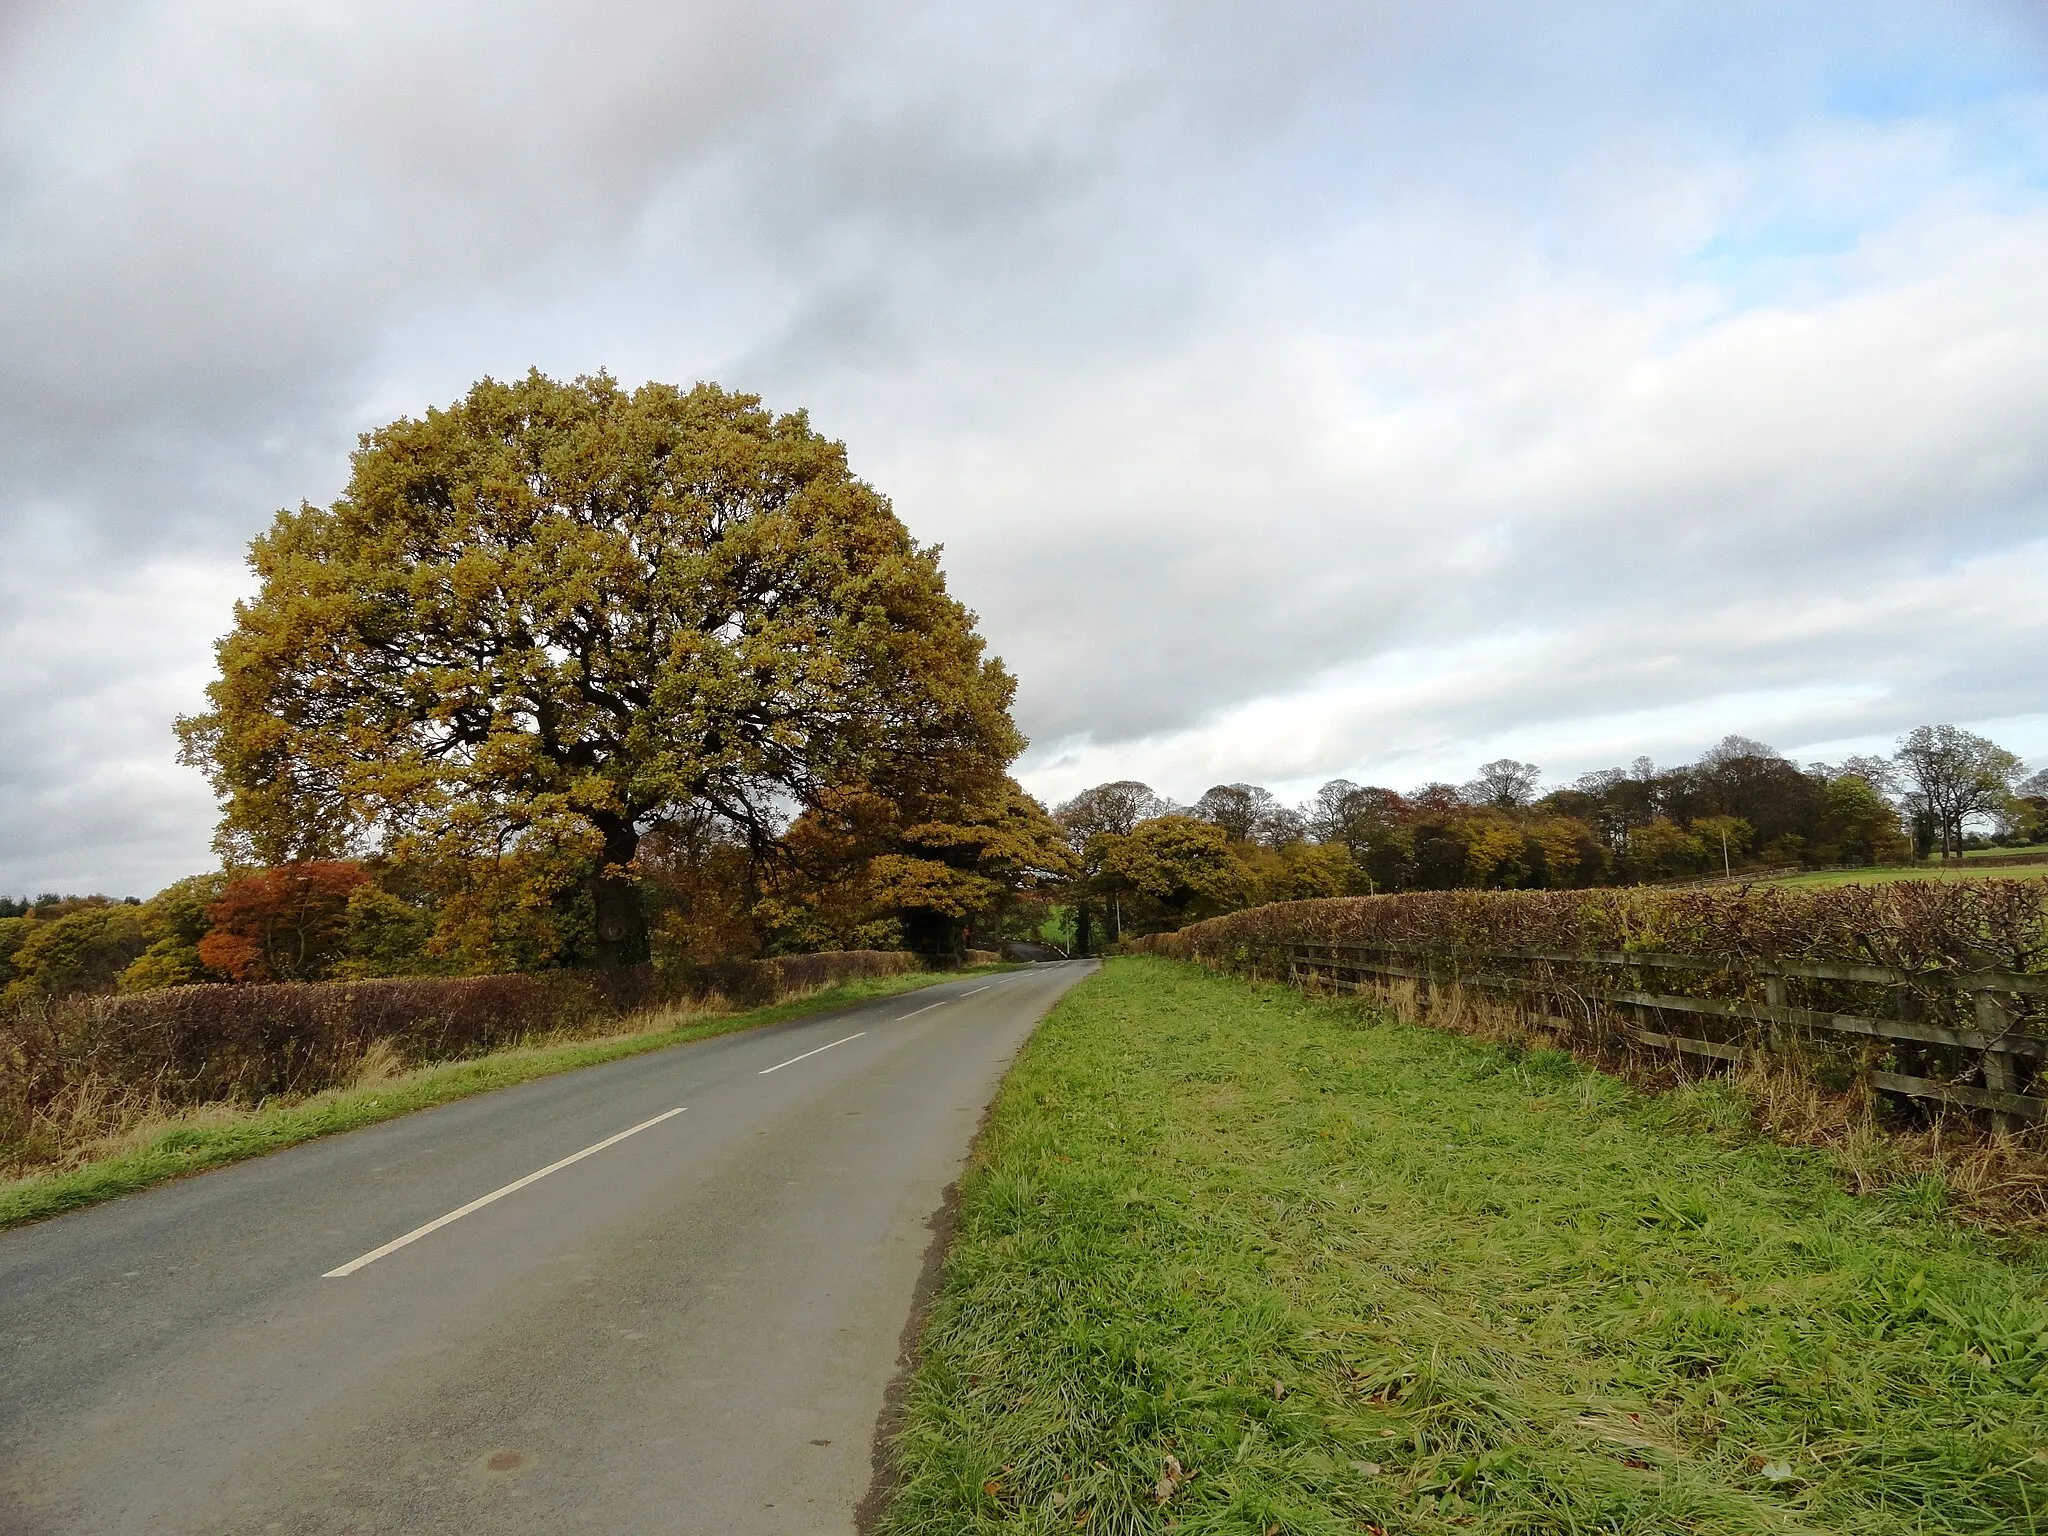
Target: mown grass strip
[1830, 879]
[1234, 1260]
[224, 1134]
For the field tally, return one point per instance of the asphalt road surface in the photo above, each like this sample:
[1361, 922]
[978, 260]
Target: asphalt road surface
[689, 1328]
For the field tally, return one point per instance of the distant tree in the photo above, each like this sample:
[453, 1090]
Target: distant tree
[1726, 839]
[1566, 852]
[174, 920]
[1371, 825]
[1436, 799]
[83, 949]
[968, 862]
[1880, 773]
[1663, 850]
[1327, 812]
[1312, 869]
[1496, 852]
[1092, 820]
[1504, 785]
[936, 869]
[1442, 858]
[386, 935]
[1732, 748]
[285, 924]
[1860, 825]
[555, 616]
[1183, 864]
[1613, 801]
[1116, 808]
[1953, 775]
[2030, 809]
[1248, 813]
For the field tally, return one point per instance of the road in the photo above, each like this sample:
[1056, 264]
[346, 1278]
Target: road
[689, 1329]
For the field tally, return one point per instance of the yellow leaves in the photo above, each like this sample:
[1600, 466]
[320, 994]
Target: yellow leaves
[556, 598]
[1490, 843]
[899, 880]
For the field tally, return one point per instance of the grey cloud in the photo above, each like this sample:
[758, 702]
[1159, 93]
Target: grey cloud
[1225, 352]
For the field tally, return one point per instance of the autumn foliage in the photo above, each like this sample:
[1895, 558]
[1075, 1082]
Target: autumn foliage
[285, 924]
[553, 617]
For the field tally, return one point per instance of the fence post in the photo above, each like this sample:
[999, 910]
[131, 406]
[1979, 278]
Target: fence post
[1993, 1020]
[1774, 996]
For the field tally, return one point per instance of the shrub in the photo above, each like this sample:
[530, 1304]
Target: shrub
[1912, 925]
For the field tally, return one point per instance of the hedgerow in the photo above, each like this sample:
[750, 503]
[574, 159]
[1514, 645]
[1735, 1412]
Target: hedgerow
[186, 1046]
[1544, 948]
[1915, 926]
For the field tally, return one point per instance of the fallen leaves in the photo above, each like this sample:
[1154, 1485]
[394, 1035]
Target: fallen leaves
[1171, 1476]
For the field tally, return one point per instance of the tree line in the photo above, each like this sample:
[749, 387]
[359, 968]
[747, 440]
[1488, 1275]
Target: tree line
[1149, 865]
[572, 675]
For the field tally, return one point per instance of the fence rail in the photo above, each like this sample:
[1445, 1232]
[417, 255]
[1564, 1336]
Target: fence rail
[1993, 1047]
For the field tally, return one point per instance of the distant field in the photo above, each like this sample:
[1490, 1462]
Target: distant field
[1832, 877]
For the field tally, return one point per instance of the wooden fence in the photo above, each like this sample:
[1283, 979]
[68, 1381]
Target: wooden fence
[1966, 1035]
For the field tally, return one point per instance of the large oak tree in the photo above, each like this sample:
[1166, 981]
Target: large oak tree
[555, 615]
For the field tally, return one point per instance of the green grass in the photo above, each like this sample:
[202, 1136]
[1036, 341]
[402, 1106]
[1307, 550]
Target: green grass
[1827, 878]
[219, 1134]
[1355, 1276]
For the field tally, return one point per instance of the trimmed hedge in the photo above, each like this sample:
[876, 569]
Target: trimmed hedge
[1933, 933]
[1911, 925]
[195, 1045]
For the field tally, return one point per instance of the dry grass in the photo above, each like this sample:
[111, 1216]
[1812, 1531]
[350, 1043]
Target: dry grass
[100, 1117]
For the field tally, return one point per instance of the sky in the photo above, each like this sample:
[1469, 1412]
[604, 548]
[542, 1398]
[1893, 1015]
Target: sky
[1297, 390]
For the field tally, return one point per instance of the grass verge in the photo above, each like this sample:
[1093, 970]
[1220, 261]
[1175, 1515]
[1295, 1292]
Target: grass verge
[1236, 1260]
[1828, 879]
[217, 1134]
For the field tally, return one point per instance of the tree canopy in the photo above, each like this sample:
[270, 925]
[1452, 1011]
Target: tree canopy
[1954, 775]
[553, 616]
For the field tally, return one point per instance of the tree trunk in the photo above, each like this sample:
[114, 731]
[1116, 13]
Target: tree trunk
[621, 919]
[934, 935]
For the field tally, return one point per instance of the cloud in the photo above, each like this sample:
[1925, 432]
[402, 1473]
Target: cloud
[1345, 389]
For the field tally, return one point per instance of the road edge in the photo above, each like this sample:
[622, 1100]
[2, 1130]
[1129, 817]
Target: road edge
[885, 1477]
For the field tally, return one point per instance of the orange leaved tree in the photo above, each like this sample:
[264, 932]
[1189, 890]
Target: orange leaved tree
[284, 924]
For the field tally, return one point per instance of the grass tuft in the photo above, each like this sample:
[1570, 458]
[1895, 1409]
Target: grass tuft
[1237, 1260]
